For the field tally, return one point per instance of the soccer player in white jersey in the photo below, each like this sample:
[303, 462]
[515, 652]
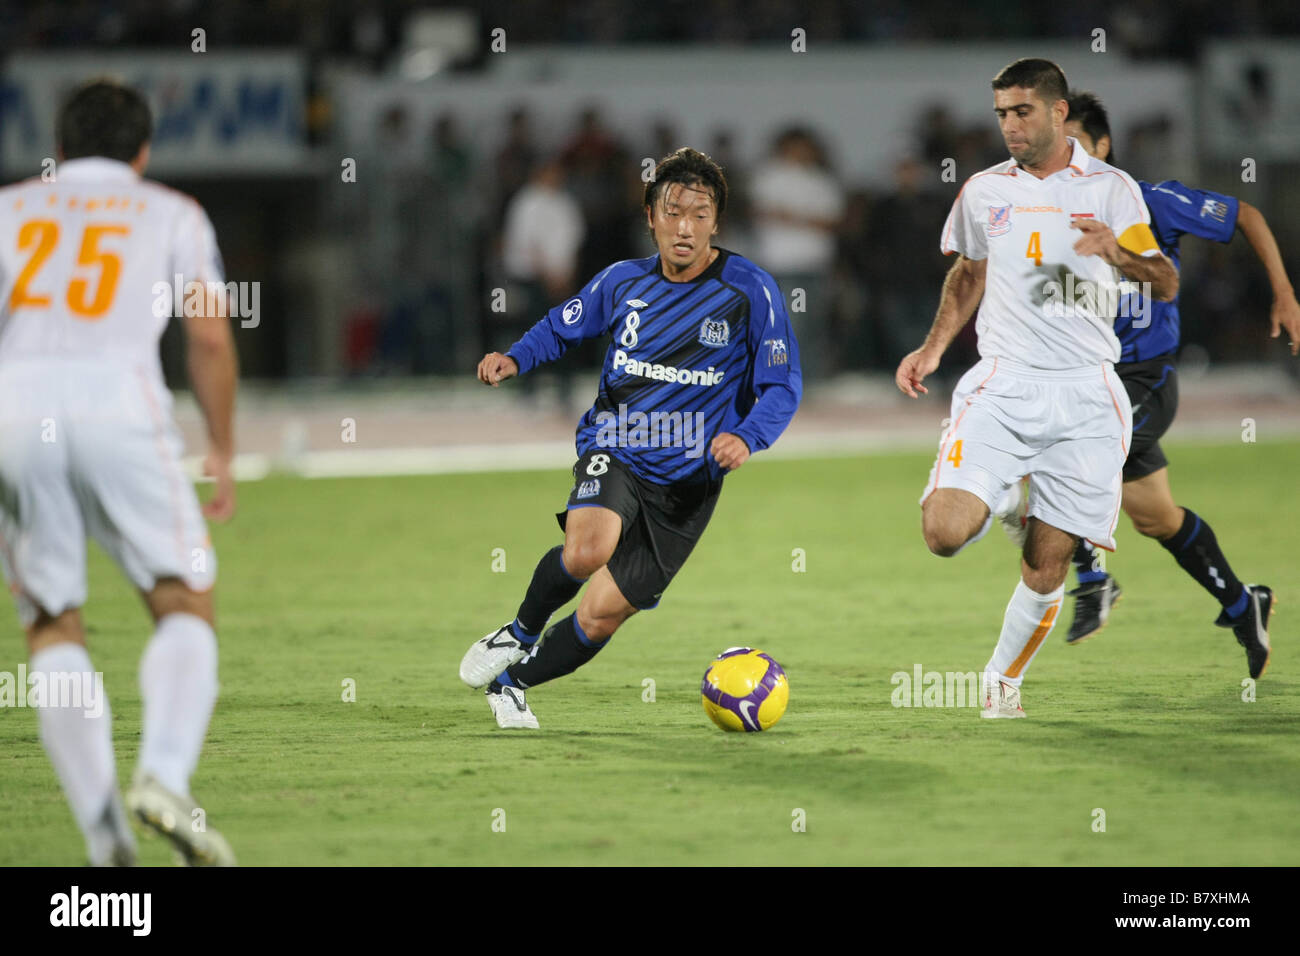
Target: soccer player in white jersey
[1043, 240]
[88, 449]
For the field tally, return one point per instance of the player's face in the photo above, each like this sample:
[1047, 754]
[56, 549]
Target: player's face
[1090, 146]
[1030, 127]
[683, 221]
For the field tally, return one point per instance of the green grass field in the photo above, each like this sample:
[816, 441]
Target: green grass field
[386, 581]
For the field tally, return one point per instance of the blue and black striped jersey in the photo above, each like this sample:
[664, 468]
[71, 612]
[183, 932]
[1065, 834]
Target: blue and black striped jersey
[1150, 327]
[688, 360]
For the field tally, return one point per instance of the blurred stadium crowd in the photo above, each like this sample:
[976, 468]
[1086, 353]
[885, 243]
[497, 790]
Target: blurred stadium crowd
[536, 223]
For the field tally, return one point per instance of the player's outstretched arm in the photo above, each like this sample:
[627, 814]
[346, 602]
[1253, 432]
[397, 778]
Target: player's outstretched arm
[496, 368]
[214, 375]
[962, 290]
[1286, 311]
[579, 318]
[1157, 271]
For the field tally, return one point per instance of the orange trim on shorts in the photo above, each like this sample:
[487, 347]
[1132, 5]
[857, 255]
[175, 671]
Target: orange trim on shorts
[952, 431]
[1115, 403]
[1040, 632]
[1098, 544]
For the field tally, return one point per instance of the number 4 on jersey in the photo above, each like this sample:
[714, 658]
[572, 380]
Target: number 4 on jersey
[1035, 250]
[954, 454]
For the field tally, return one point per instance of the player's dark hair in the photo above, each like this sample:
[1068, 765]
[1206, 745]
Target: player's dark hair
[1087, 111]
[688, 167]
[1042, 76]
[104, 118]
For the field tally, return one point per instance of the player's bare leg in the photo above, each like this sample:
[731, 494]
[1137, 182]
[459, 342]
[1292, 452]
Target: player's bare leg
[56, 629]
[1029, 618]
[603, 609]
[77, 734]
[1149, 503]
[590, 537]
[178, 685]
[1191, 541]
[951, 518]
[1046, 559]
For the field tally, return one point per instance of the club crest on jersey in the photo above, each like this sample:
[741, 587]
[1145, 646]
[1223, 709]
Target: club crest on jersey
[999, 220]
[715, 333]
[1214, 209]
[588, 489]
[571, 314]
[777, 353]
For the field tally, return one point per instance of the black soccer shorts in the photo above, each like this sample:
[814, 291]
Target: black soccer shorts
[1152, 387]
[661, 523]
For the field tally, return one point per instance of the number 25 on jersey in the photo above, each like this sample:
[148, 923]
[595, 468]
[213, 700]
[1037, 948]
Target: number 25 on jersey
[89, 294]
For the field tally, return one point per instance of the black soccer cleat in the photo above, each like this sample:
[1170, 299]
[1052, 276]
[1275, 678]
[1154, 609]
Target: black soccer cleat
[1092, 604]
[1251, 627]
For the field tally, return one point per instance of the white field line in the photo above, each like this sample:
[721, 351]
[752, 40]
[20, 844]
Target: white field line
[356, 462]
[530, 456]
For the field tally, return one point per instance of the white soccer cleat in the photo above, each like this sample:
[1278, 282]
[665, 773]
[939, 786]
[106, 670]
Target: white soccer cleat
[510, 708]
[172, 815]
[489, 656]
[1013, 512]
[1001, 700]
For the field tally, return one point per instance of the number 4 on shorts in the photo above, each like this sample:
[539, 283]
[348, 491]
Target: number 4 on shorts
[954, 454]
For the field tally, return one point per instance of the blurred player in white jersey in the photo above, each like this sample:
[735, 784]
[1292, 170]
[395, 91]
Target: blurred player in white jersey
[88, 449]
[1043, 239]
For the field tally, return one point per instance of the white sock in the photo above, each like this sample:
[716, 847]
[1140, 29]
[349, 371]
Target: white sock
[178, 681]
[79, 740]
[1029, 618]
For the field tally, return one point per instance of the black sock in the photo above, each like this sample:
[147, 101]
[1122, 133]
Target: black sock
[1196, 549]
[551, 588]
[564, 649]
[1088, 562]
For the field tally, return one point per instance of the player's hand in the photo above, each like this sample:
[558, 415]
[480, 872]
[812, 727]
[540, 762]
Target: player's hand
[1097, 240]
[221, 506]
[1286, 315]
[730, 451]
[496, 368]
[914, 367]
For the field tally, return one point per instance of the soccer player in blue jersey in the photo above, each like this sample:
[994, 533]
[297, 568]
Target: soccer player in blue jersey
[1149, 333]
[703, 371]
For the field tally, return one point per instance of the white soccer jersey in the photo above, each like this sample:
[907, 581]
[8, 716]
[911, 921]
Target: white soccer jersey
[83, 260]
[1045, 305]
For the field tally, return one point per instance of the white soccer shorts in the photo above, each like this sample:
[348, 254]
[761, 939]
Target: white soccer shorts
[89, 449]
[1069, 430]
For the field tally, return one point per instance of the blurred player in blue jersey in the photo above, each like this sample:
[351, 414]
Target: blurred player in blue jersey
[702, 372]
[1149, 334]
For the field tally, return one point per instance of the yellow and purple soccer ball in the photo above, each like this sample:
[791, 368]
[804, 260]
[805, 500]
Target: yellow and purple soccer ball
[744, 689]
